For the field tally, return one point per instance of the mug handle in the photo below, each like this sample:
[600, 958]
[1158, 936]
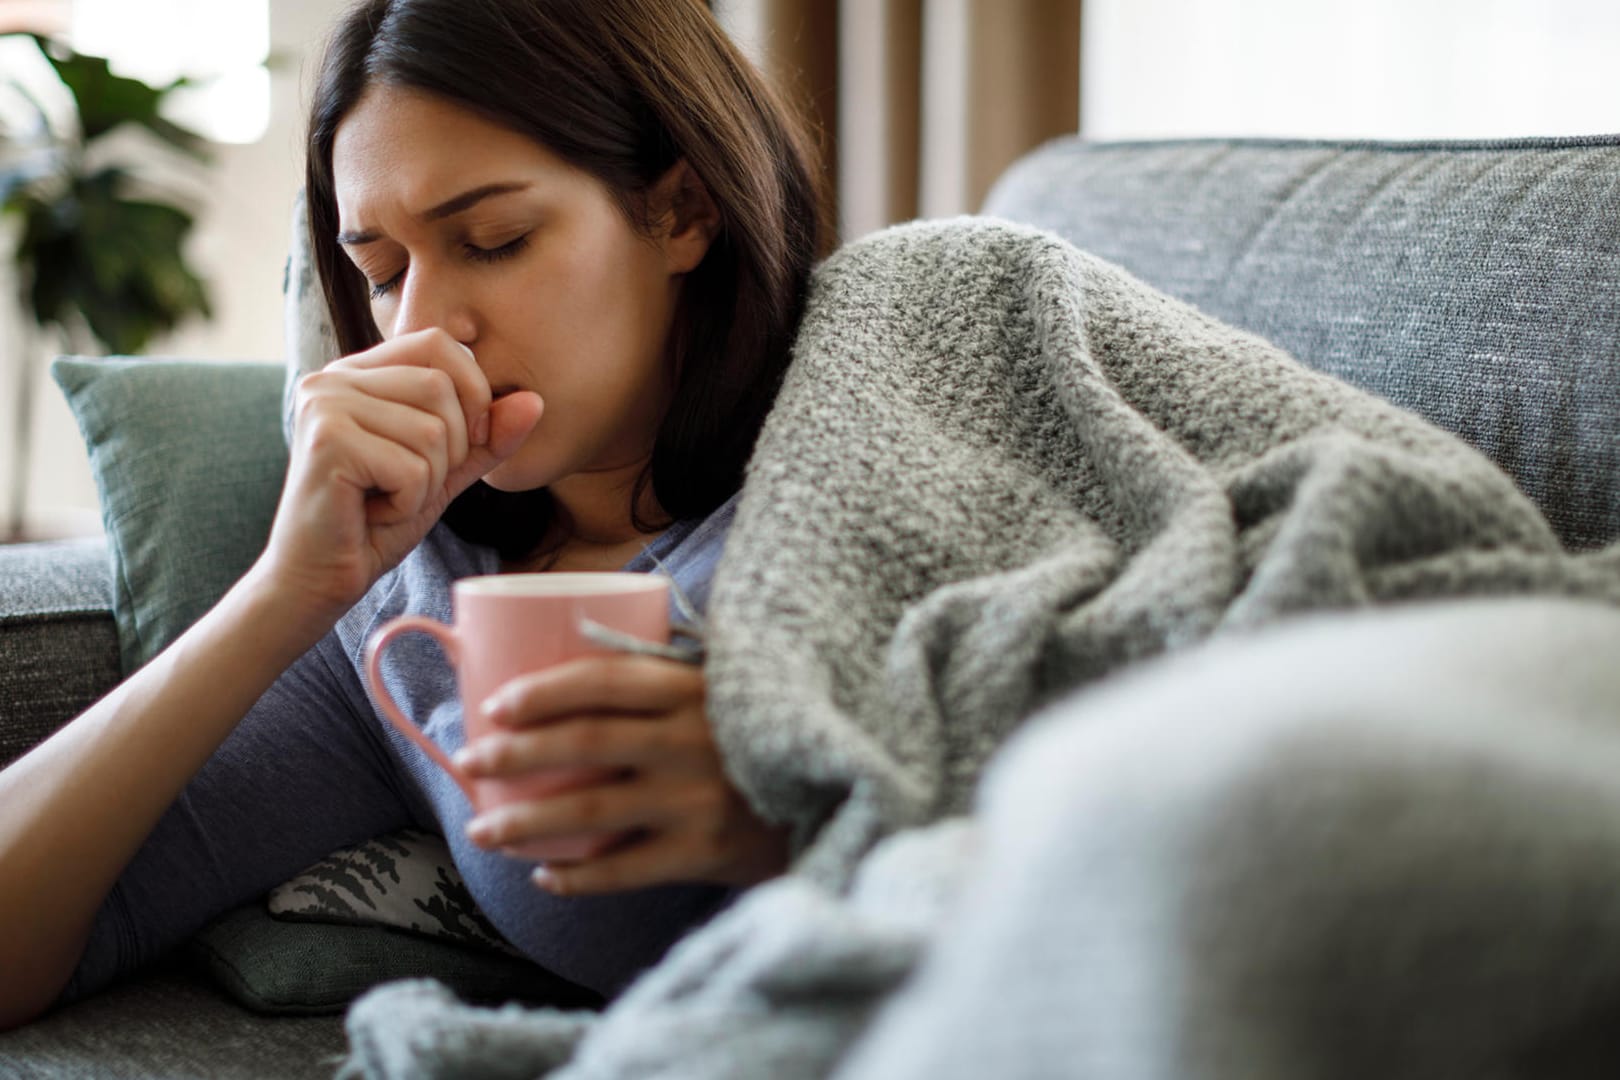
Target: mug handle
[385, 634]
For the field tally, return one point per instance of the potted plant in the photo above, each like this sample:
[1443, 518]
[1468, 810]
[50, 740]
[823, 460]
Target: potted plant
[99, 247]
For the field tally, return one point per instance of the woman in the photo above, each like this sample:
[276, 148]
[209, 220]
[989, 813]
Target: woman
[565, 247]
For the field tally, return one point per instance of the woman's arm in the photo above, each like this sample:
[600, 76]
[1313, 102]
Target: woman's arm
[382, 446]
[78, 806]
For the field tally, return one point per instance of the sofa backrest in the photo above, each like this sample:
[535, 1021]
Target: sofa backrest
[1476, 283]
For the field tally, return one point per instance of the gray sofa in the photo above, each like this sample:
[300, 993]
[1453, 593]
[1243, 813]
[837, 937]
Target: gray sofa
[1475, 283]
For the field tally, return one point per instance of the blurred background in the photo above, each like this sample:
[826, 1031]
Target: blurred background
[921, 104]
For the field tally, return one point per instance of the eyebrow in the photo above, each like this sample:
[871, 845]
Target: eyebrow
[465, 201]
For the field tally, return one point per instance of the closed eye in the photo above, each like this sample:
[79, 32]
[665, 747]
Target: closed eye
[496, 254]
[472, 251]
[382, 289]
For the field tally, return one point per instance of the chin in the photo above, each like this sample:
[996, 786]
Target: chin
[500, 481]
[513, 475]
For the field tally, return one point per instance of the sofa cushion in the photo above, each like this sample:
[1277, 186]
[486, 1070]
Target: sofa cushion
[406, 879]
[58, 644]
[188, 462]
[168, 1024]
[313, 968]
[310, 340]
[1472, 282]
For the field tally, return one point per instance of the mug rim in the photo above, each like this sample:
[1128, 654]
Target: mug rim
[566, 583]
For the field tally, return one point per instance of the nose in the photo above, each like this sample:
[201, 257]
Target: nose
[429, 298]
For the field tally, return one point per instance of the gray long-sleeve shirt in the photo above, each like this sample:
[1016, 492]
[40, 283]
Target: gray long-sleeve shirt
[314, 767]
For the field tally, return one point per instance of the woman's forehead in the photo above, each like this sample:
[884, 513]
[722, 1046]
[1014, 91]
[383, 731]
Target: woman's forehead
[406, 148]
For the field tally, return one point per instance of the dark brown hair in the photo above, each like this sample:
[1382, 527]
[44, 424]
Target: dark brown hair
[621, 89]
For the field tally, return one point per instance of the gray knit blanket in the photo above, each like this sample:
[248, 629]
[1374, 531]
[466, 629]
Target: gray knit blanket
[999, 470]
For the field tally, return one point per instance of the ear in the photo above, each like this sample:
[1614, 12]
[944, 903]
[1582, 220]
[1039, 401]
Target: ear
[689, 222]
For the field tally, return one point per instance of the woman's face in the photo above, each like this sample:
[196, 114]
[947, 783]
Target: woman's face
[462, 224]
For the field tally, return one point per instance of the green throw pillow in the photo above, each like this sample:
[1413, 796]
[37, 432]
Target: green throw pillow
[188, 458]
[305, 969]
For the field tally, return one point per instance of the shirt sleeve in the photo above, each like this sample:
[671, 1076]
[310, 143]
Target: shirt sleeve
[304, 774]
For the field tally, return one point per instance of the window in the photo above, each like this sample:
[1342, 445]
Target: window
[1396, 69]
[223, 47]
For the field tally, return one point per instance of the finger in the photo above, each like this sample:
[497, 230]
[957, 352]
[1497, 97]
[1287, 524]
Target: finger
[511, 419]
[393, 480]
[421, 433]
[598, 808]
[608, 741]
[350, 389]
[437, 349]
[424, 389]
[593, 684]
[655, 859]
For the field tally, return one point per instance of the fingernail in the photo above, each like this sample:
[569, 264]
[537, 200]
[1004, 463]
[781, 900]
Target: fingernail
[466, 758]
[493, 708]
[479, 830]
[543, 877]
[480, 434]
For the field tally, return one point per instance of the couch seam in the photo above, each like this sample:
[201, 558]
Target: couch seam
[35, 618]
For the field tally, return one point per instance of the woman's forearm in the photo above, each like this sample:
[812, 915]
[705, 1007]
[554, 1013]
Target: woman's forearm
[77, 807]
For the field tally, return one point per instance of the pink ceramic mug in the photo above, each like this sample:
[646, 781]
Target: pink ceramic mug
[507, 625]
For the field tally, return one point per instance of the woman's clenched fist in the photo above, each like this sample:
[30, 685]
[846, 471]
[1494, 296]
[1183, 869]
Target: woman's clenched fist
[383, 440]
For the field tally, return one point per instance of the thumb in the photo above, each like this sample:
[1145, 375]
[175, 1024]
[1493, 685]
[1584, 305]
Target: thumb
[511, 419]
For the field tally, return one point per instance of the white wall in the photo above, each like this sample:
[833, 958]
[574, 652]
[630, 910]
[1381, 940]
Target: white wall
[1393, 69]
[239, 245]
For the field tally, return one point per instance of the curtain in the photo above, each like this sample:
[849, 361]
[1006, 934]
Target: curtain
[920, 103]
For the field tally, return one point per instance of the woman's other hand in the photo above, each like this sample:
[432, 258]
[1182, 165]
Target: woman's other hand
[383, 440]
[646, 718]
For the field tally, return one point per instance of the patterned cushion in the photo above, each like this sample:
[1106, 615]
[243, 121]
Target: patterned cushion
[311, 341]
[405, 880]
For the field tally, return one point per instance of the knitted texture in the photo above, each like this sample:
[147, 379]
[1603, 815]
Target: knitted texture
[998, 469]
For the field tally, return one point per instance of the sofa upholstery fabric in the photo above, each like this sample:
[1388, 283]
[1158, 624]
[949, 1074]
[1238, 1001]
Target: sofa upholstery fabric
[1476, 283]
[170, 1024]
[58, 644]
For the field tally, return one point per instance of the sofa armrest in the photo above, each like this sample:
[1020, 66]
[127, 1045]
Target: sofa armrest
[58, 641]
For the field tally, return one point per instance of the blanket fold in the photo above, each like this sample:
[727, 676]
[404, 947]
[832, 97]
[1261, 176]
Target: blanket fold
[998, 470]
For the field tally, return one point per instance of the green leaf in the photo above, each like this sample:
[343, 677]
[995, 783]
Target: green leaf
[116, 262]
[106, 101]
[90, 253]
